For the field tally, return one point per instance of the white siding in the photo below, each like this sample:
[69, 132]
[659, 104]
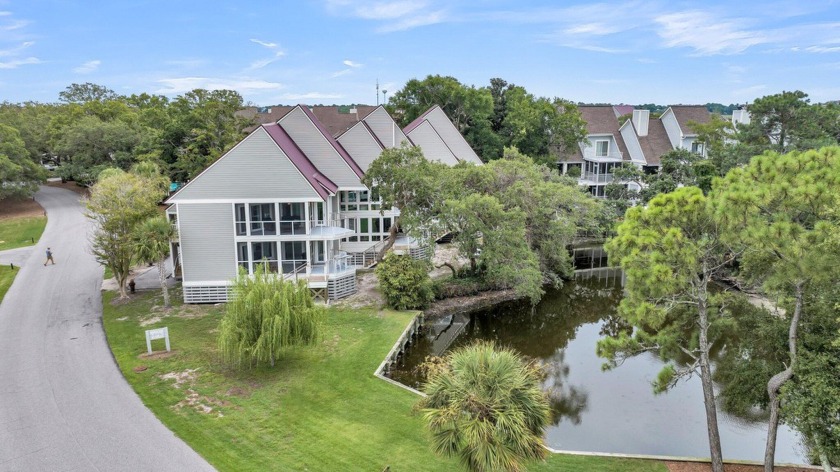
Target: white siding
[433, 147]
[316, 147]
[255, 168]
[672, 128]
[385, 128]
[451, 136]
[206, 233]
[361, 145]
[632, 143]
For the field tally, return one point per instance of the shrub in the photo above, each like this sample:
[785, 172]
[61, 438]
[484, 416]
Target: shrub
[405, 282]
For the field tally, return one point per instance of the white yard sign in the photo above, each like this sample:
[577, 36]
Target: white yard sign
[160, 333]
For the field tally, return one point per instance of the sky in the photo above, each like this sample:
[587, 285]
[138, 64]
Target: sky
[335, 51]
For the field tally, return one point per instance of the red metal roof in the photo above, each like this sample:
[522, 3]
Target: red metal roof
[319, 181]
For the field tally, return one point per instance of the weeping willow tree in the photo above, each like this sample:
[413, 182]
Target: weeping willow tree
[265, 316]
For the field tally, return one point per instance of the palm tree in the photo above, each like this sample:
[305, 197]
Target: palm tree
[151, 243]
[485, 406]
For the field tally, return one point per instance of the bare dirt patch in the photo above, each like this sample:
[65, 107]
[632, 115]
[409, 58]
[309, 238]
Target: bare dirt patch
[140, 368]
[72, 186]
[705, 467]
[24, 208]
[180, 378]
[368, 294]
[158, 355]
[201, 403]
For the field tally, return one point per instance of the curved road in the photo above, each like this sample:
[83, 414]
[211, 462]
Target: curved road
[64, 405]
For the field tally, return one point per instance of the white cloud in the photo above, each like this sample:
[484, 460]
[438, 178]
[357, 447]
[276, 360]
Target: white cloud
[706, 34]
[178, 85]
[397, 15]
[341, 72]
[747, 94]
[260, 63]
[310, 96]
[350, 63]
[14, 51]
[15, 63]
[267, 44]
[592, 29]
[14, 25]
[87, 67]
[5, 13]
[822, 49]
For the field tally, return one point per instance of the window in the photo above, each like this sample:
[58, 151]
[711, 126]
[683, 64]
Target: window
[602, 148]
[697, 148]
[294, 256]
[262, 219]
[292, 218]
[241, 221]
[364, 229]
[265, 253]
[242, 256]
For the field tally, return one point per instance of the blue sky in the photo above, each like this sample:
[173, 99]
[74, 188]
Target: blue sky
[333, 51]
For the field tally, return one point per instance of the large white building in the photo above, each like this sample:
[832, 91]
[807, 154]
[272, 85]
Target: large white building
[289, 196]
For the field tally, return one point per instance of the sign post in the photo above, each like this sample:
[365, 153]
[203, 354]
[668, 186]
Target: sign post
[160, 333]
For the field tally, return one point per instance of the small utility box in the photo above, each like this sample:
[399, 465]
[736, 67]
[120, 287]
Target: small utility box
[160, 333]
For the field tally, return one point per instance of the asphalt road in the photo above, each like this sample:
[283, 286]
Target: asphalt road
[64, 405]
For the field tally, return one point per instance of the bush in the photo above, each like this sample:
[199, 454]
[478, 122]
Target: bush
[405, 282]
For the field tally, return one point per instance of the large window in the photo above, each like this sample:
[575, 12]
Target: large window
[265, 253]
[263, 221]
[602, 148]
[243, 256]
[362, 200]
[294, 255]
[697, 148]
[292, 218]
[368, 229]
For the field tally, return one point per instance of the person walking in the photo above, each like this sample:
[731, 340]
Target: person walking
[49, 257]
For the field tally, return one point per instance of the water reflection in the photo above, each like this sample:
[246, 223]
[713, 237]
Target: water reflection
[592, 410]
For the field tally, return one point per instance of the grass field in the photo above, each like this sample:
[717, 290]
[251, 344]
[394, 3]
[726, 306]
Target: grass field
[320, 409]
[20, 232]
[7, 276]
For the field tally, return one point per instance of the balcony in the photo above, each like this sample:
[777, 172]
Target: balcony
[593, 178]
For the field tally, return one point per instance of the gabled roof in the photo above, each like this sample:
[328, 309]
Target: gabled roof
[656, 143]
[335, 119]
[451, 137]
[323, 185]
[686, 113]
[335, 144]
[603, 120]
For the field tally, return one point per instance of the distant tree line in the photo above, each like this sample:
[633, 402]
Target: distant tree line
[92, 127]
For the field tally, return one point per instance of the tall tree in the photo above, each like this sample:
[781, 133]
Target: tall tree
[86, 92]
[266, 315]
[781, 207]
[118, 203]
[404, 179]
[670, 251]
[152, 239]
[779, 117]
[485, 406]
[19, 176]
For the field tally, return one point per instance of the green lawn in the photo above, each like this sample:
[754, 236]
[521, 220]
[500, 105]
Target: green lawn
[20, 232]
[320, 409]
[7, 275]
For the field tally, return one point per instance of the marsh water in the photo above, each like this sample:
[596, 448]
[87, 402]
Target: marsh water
[593, 410]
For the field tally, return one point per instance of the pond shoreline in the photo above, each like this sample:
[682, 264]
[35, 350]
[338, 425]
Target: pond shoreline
[468, 304]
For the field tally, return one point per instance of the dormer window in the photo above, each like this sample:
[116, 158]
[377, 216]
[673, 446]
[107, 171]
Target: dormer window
[697, 148]
[602, 148]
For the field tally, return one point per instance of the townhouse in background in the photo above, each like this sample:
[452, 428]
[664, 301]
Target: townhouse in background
[639, 140]
[289, 197]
